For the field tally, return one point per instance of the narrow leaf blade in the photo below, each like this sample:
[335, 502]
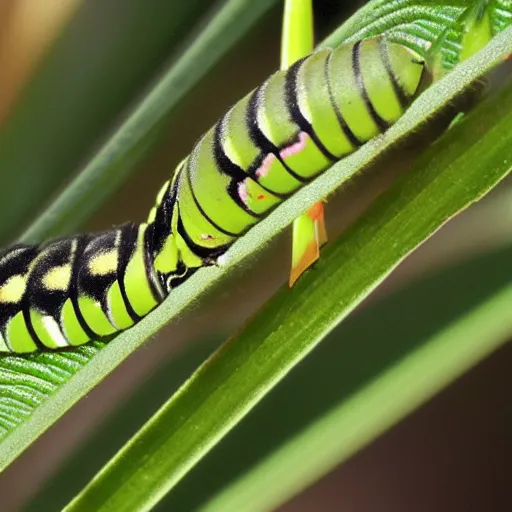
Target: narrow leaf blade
[463, 166]
[372, 409]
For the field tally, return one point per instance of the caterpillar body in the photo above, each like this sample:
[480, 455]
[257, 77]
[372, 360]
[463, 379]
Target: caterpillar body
[280, 136]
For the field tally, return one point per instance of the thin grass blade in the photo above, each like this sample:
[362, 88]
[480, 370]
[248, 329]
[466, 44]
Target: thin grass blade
[457, 171]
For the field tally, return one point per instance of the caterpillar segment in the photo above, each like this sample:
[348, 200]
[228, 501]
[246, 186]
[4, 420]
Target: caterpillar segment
[74, 290]
[376, 94]
[288, 131]
[271, 143]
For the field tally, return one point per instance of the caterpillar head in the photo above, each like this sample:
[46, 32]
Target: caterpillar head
[409, 68]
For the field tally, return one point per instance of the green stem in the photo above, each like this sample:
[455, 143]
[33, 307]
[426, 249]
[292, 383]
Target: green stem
[297, 38]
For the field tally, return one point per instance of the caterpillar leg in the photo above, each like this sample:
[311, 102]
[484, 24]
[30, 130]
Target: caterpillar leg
[308, 232]
[308, 235]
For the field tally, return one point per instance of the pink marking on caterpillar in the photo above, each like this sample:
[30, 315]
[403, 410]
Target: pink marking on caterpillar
[263, 169]
[242, 192]
[205, 236]
[296, 147]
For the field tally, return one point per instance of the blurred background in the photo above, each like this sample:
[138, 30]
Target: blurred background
[71, 73]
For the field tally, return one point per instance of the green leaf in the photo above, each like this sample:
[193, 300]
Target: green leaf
[419, 24]
[377, 336]
[372, 407]
[455, 172]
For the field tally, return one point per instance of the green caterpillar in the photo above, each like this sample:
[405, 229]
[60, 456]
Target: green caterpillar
[279, 137]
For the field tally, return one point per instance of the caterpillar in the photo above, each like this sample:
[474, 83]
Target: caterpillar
[279, 137]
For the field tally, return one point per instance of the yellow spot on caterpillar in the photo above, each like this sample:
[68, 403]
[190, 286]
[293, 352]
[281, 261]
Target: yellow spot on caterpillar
[13, 289]
[57, 278]
[103, 263]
